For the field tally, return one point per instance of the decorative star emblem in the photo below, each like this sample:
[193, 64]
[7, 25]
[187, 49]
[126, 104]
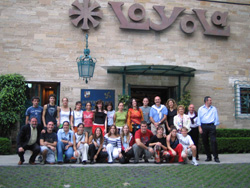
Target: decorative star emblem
[85, 13]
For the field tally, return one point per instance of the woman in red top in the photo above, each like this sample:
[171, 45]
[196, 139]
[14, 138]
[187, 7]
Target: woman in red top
[88, 118]
[134, 117]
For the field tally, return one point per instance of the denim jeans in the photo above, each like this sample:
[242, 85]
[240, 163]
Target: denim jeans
[61, 150]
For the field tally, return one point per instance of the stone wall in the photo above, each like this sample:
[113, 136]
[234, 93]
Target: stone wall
[38, 40]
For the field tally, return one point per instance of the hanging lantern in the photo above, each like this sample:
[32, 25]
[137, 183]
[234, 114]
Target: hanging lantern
[86, 64]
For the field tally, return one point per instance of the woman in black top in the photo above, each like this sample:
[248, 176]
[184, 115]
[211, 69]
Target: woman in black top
[172, 111]
[174, 147]
[158, 142]
[100, 119]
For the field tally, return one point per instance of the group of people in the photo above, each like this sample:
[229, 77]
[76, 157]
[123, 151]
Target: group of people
[165, 132]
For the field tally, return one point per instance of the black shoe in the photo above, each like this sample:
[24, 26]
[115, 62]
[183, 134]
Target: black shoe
[146, 161]
[135, 162]
[110, 162]
[190, 158]
[84, 162]
[92, 162]
[217, 160]
[208, 159]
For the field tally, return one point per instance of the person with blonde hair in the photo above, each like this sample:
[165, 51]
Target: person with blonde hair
[181, 119]
[189, 149]
[127, 141]
[172, 111]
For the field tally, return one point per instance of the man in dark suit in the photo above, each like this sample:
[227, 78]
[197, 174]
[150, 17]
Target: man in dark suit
[28, 139]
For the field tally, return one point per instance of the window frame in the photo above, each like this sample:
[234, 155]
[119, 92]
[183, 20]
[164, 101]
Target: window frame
[238, 100]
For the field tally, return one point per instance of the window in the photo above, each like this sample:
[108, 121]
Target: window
[242, 99]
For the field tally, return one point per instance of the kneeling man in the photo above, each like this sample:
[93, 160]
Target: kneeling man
[28, 139]
[142, 136]
[48, 144]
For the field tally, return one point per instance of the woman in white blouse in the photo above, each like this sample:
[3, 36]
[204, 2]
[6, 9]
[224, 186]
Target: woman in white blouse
[81, 146]
[181, 119]
[112, 144]
[76, 116]
[65, 111]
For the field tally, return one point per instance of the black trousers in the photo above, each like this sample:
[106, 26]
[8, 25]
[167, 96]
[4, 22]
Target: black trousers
[126, 156]
[35, 148]
[209, 131]
[194, 133]
[102, 156]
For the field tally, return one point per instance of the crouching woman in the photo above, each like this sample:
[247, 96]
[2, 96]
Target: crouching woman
[81, 146]
[127, 141]
[95, 147]
[112, 144]
[174, 147]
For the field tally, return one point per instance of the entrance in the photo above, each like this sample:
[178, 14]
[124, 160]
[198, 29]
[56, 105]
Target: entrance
[42, 90]
[139, 92]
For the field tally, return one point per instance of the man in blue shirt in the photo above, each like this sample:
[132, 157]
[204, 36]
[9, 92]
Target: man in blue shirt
[207, 121]
[158, 114]
[34, 111]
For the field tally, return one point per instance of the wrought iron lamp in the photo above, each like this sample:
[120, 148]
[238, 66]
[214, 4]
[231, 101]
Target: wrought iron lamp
[86, 64]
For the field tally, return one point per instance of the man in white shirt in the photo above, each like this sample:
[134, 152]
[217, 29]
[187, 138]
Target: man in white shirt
[189, 149]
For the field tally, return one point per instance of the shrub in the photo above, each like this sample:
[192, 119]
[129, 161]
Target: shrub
[125, 99]
[233, 133]
[5, 146]
[234, 145]
[231, 145]
[185, 100]
[12, 97]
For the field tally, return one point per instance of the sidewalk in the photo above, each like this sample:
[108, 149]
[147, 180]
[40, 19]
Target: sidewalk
[12, 160]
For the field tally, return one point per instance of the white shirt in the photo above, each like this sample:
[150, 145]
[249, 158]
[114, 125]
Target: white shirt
[185, 141]
[77, 117]
[64, 116]
[182, 122]
[195, 120]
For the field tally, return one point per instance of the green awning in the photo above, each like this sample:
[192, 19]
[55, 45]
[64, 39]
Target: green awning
[152, 70]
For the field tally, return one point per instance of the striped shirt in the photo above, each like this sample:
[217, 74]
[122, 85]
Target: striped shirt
[115, 142]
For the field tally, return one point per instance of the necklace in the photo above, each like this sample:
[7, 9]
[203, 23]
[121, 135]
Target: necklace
[78, 113]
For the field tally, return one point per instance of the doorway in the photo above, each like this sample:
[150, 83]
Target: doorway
[165, 92]
[42, 90]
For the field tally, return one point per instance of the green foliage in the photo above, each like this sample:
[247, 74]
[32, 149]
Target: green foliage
[232, 141]
[125, 99]
[234, 145]
[185, 100]
[12, 100]
[5, 146]
[233, 132]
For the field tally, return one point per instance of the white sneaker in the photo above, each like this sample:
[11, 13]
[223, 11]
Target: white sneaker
[194, 162]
